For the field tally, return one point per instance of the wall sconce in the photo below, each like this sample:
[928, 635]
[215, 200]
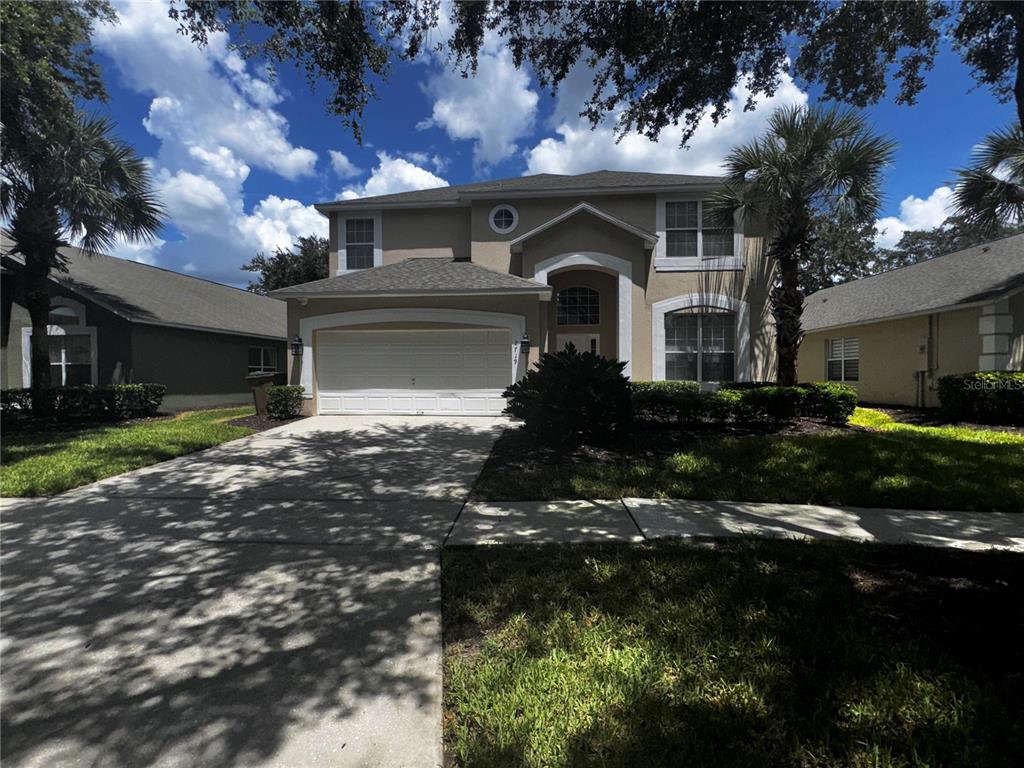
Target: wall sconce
[296, 346]
[524, 344]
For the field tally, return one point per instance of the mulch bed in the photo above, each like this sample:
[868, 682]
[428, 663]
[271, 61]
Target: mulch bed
[261, 423]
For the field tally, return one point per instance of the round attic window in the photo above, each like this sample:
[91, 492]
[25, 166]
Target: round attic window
[504, 219]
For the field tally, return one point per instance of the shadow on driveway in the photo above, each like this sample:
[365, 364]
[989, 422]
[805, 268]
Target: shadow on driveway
[271, 601]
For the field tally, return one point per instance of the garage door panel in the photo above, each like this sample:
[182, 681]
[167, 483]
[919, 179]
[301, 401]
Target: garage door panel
[408, 371]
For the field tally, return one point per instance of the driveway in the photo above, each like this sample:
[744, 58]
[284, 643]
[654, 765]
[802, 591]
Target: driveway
[272, 601]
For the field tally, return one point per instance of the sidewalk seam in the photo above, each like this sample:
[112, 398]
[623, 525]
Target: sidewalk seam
[451, 528]
[629, 512]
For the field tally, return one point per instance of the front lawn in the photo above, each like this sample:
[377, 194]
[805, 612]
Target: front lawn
[44, 463]
[741, 653]
[876, 462]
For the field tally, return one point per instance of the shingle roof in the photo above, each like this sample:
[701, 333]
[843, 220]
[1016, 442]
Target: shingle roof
[539, 183]
[147, 294]
[416, 276]
[976, 274]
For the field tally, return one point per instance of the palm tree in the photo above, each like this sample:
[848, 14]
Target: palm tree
[811, 162]
[990, 194]
[70, 180]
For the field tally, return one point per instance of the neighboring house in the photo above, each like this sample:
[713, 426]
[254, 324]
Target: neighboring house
[893, 335]
[438, 299]
[117, 321]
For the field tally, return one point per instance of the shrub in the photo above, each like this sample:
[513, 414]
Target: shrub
[88, 403]
[985, 397]
[571, 398]
[665, 401]
[284, 402]
[743, 403]
[828, 400]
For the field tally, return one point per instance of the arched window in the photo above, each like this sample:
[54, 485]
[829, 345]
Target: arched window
[578, 306]
[63, 315]
[700, 345]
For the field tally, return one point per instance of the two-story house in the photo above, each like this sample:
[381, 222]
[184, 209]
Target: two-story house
[438, 299]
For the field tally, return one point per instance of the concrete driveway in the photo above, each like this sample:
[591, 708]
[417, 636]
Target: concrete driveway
[273, 601]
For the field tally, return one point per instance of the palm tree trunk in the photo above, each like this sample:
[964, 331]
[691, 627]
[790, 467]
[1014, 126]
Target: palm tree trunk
[787, 306]
[37, 300]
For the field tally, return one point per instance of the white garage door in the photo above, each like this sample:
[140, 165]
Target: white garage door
[413, 371]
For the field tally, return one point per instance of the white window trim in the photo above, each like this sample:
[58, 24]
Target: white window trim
[58, 330]
[499, 230]
[378, 250]
[691, 301]
[516, 325]
[624, 269]
[828, 359]
[664, 263]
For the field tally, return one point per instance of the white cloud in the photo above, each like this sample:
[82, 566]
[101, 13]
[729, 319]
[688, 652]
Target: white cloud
[278, 223]
[215, 117]
[493, 108]
[342, 165]
[580, 149]
[394, 174]
[915, 214]
[143, 252]
[203, 96]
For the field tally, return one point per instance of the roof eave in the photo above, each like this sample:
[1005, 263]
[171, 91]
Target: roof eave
[284, 294]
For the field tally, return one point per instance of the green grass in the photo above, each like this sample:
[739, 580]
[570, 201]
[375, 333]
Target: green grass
[883, 464]
[745, 653]
[44, 463]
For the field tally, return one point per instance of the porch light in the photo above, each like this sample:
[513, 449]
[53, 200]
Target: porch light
[296, 346]
[524, 344]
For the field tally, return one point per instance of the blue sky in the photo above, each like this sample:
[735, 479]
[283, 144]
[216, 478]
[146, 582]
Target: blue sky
[239, 157]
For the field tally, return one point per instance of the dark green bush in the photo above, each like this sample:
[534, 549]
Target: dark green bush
[88, 403]
[757, 403]
[984, 397]
[571, 398]
[284, 402]
[828, 400]
[665, 401]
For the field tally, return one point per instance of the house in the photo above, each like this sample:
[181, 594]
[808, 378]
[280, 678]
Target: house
[437, 299]
[894, 334]
[117, 321]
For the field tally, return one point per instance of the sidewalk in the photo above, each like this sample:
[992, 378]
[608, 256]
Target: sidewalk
[521, 522]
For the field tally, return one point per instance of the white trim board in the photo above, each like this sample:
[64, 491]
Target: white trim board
[624, 269]
[691, 300]
[516, 325]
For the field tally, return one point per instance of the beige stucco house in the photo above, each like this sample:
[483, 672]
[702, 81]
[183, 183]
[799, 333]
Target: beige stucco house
[438, 299]
[893, 335]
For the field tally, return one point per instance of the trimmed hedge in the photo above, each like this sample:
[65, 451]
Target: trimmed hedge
[573, 398]
[983, 397]
[111, 402]
[284, 402]
[681, 402]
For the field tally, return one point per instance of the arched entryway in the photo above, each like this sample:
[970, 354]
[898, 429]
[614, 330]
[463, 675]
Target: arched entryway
[595, 271]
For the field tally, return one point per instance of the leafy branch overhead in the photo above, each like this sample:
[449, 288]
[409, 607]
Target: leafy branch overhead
[653, 64]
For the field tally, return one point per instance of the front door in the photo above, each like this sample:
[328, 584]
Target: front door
[584, 342]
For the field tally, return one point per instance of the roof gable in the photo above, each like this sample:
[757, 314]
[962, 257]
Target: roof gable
[649, 238]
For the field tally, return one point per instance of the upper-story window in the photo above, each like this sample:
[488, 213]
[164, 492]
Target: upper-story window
[578, 306]
[503, 218]
[689, 242]
[359, 243]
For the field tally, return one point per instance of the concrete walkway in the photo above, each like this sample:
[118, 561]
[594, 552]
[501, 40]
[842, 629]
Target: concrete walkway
[639, 519]
[274, 601]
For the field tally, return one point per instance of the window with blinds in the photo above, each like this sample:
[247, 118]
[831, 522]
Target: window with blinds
[842, 359]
